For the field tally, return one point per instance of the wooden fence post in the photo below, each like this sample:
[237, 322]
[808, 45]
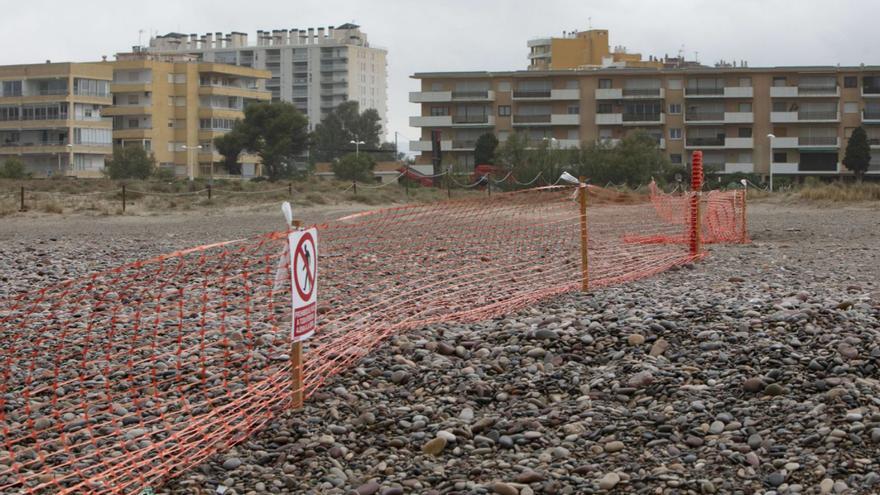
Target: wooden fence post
[123, 198]
[296, 356]
[582, 199]
[695, 226]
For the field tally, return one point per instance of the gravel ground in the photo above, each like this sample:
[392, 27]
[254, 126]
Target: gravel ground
[757, 370]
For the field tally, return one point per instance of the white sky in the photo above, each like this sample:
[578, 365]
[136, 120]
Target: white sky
[452, 35]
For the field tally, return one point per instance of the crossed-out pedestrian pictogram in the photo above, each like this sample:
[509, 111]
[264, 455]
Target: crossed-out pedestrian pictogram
[305, 267]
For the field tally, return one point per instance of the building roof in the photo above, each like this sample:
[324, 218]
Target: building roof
[644, 71]
[348, 25]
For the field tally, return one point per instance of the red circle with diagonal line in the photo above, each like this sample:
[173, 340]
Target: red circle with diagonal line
[309, 262]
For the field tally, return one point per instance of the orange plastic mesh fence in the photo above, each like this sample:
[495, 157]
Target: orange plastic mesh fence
[119, 380]
[723, 213]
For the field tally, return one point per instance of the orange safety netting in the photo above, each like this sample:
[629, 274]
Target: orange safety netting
[723, 213]
[119, 380]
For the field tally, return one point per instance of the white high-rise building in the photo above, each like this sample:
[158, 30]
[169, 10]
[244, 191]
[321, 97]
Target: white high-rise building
[315, 69]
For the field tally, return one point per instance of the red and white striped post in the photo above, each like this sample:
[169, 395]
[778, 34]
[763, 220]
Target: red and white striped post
[695, 236]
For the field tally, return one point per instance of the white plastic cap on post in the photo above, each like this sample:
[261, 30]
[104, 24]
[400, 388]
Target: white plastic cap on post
[745, 183]
[288, 212]
[567, 177]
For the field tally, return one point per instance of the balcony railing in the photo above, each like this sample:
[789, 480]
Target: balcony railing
[531, 119]
[470, 94]
[705, 141]
[871, 115]
[815, 115]
[703, 91]
[871, 90]
[874, 141]
[817, 90]
[51, 92]
[698, 116]
[470, 119]
[641, 117]
[642, 92]
[817, 140]
[531, 93]
[27, 144]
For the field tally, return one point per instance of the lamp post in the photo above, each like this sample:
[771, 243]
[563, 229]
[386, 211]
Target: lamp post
[771, 137]
[357, 145]
[189, 167]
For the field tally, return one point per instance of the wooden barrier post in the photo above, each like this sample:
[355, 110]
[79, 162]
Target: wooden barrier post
[209, 192]
[582, 199]
[22, 208]
[354, 185]
[696, 192]
[290, 188]
[406, 178]
[123, 198]
[296, 358]
[489, 184]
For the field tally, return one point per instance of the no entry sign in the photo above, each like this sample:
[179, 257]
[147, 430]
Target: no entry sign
[304, 278]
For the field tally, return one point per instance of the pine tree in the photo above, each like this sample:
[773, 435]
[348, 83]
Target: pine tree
[858, 153]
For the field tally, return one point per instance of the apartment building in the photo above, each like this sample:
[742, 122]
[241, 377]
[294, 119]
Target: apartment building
[51, 117]
[727, 112]
[315, 69]
[174, 106]
[591, 49]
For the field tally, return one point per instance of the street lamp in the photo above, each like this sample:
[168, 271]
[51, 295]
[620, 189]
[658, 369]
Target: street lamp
[357, 145]
[771, 137]
[189, 168]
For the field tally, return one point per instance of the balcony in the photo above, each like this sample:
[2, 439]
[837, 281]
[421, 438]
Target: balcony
[871, 116]
[568, 143]
[726, 92]
[609, 119]
[644, 118]
[719, 117]
[799, 92]
[430, 96]
[738, 168]
[445, 145]
[519, 94]
[473, 95]
[794, 169]
[431, 121]
[870, 91]
[874, 142]
[719, 142]
[635, 94]
[804, 116]
[629, 94]
[565, 119]
[565, 94]
[462, 145]
[533, 119]
[473, 120]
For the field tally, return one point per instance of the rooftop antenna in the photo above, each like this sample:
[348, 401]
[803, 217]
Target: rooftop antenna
[140, 37]
[590, 23]
[696, 56]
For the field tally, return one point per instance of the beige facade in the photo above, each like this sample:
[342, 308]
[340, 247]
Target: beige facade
[174, 106]
[727, 113]
[52, 117]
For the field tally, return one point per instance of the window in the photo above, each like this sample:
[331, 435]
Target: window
[675, 158]
[744, 132]
[170, 101]
[11, 88]
[604, 83]
[745, 82]
[94, 137]
[850, 82]
[675, 108]
[91, 87]
[604, 108]
[571, 84]
[675, 133]
[133, 99]
[673, 84]
[851, 107]
[606, 133]
[779, 81]
[574, 109]
[745, 107]
[436, 86]
[8, 113]
[171, 123]
[573, 134]
[439, 111]
[504, 110]
[133, 123]
[504, 86]
[780, 157]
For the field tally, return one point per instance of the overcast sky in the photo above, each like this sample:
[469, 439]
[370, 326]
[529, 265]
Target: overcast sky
[452, 35]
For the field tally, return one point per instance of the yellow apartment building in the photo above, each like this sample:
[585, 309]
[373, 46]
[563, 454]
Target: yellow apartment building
[174, 106]
[52, 117]
[792, 120]
[583, 49]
